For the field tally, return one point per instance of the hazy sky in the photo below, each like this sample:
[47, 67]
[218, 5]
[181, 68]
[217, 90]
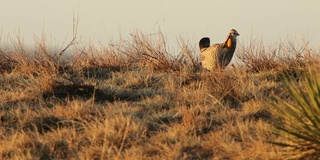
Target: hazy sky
[104, 20]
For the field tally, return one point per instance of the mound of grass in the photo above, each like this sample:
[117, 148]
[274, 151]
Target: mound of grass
[137, 100]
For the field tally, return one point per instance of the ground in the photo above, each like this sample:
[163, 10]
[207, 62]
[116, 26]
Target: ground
[137, 101]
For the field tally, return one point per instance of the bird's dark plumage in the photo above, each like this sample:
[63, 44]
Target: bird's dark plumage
[204, 43]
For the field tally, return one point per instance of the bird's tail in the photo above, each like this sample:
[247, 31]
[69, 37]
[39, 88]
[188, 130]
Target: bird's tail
[204, 44]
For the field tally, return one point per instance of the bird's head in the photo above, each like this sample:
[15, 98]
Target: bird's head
[234, 33]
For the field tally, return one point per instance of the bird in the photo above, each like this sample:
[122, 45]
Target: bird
[218, 56]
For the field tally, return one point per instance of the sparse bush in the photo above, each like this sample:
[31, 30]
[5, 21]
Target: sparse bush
[143, 50]
[285, 57]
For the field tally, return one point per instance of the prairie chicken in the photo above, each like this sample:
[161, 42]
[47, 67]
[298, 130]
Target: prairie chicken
[218, 56]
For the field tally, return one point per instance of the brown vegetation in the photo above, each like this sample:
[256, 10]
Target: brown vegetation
[136, 100]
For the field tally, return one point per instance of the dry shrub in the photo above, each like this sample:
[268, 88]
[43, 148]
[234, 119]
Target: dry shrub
[286, 57]
[93, 56]
[27, 80]
[150, 51]
[30, 72]
[230, 88]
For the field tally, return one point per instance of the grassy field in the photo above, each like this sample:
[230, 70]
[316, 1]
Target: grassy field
[133, 99]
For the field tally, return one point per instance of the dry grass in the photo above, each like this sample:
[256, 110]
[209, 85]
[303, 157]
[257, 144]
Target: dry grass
[135, 100]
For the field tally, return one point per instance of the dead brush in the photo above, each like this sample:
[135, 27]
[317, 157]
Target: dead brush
[282, 58]
[154, 53]
[28, 79]
[49, 57]
[93, 56]
[150, 52]
[147, 51]
[32, 71]
[6, 63]
[227, 89]
[253, 55]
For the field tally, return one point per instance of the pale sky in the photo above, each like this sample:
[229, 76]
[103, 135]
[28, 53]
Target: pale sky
[105, 20]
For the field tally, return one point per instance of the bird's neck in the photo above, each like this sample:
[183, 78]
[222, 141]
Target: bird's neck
[230, 42]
